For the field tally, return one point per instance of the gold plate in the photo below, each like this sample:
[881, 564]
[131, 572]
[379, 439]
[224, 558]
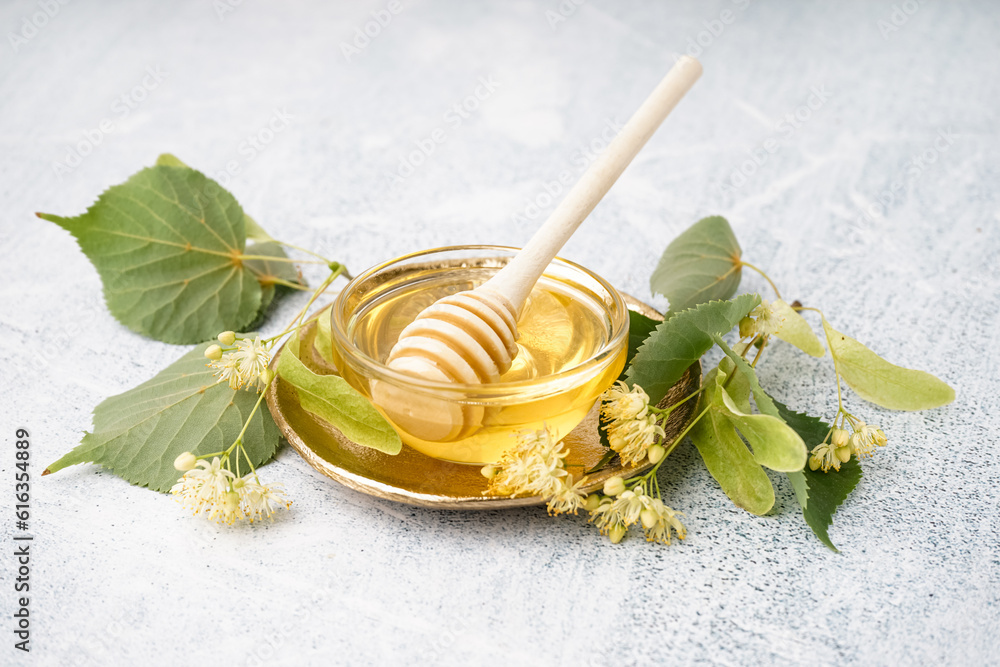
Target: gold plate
[416, 479]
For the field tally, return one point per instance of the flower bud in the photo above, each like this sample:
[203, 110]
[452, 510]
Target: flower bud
[239, 483]
[592, 502]
[616, 534]
[213, 352]
[488, 471]
[656, 453]
[227, 337]
[185, 462]
[843, 453]
[648, 518]
[839, 437]
[266, 376]
[614, 486]
[746, 327]
[815, 462]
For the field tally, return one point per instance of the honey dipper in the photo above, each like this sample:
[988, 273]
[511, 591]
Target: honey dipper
[469, 337]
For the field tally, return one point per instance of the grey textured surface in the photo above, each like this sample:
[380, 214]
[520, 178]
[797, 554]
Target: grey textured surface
[122, 576]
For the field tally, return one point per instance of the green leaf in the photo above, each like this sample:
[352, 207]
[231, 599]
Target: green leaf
[167, 244]
[819, 493]
[639, 328]
[169, 160]
[726, 456]
[268, 272]
[254, 232]
[702, 264]
[680, 341]
[330, 398]
[875, 379]
[138, 434]
[775, 444]
[796, 330]
[324, 335]
[764, 403]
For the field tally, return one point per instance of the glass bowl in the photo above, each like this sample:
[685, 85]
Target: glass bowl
[572, 347]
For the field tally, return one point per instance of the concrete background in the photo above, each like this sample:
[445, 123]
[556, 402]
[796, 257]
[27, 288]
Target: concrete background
[895, 102]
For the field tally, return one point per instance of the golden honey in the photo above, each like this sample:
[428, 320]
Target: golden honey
[569, 352]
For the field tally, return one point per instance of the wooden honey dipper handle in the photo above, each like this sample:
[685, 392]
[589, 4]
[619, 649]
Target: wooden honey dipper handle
[517, 278]
[469, 337]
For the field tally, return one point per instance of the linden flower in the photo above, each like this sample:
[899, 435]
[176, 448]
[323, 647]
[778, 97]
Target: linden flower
[632, 439]
[246, 365]
[659, 522]
[228, 370]
[767, 322]
[865, 438]
[536, 466]
[252, 357]
[631, 430]
[629, 505]
[828, 455]
[618, 512]
[569, 499]
[619, 403]
[203, 489]
[262, 500]
[608, 520]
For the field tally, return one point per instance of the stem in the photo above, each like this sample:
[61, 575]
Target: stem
[260, 399]
[836, 366]
[319, 290]
[287, 283]
[766, 277]
[666, 411]
[291, 329]
[289, 260]
[677, 441]
[305, 250]
[760, 350]
[247, 455]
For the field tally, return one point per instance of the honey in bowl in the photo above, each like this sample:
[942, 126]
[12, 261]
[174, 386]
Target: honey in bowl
[571, 347]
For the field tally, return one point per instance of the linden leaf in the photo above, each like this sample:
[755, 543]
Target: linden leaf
[169, 160]
[254, 231]
[323, 343]
[680, 341]
[875, 379]
[271, 273]
[138, 434]
[330, 398]
[764, 403]
[796, 330]
[167, 244]
[639, 328]
[737, 385]
[266, 271]
[819, 493]
[702, 264]
[726, 456]
[775, 444]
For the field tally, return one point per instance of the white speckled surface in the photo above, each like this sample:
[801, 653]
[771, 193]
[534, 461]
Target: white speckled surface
[122, 576]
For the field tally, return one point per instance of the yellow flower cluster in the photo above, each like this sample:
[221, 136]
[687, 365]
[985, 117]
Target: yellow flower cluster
[615, 512]
[245, 365]
[631, 428]
[213, 491]
[536, 466]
